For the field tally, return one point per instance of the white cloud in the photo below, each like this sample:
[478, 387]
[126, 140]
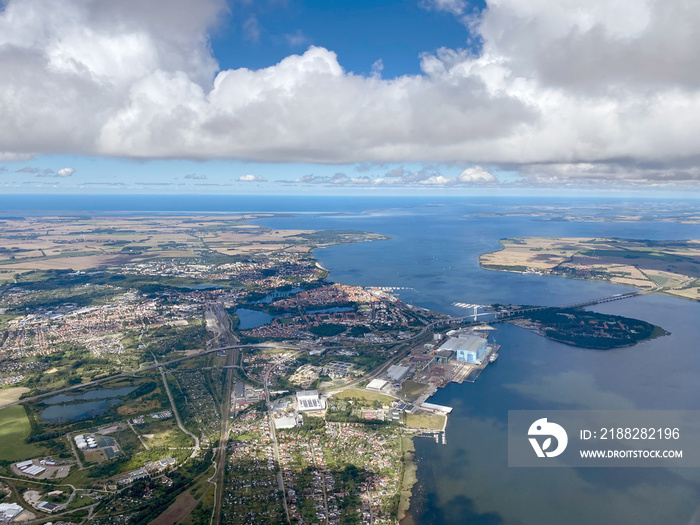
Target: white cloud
[195, 176]
[65, 172]
[400, 177]
[608, 83]
[456, 7]
[476, 174]
[296, 39]
[252, 178]
[251, 29]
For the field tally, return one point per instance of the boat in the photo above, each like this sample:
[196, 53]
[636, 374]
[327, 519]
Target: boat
[493, 357]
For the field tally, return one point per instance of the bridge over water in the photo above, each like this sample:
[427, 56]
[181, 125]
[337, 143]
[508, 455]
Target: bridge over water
[517, 312]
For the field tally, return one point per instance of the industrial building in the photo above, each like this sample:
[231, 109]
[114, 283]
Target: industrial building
[8, 511]
[438, 409]
[29, 468]
[397, 373]
[309, 400]
[285, 422]
[468, 348]
[377, 385]
[444, 356]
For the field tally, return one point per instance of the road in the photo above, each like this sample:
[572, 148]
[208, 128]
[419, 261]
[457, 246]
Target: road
[143, 368]
[195, 451]
[75, 451]
[223, 437]
[271, 421]
[137, 434]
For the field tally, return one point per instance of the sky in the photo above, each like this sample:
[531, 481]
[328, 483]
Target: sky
[404, 97]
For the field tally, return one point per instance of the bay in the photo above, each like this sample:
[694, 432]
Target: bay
[434, 251]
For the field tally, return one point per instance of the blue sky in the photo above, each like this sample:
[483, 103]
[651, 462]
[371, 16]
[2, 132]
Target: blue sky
[382, 97]
[258, 34]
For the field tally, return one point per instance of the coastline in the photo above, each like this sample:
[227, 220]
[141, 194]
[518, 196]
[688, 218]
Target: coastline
[408, 479]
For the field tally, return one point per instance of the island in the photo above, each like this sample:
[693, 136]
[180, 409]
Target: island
[585, 329]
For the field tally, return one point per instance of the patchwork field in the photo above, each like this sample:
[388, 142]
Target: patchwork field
[80, 243]
[671, 267]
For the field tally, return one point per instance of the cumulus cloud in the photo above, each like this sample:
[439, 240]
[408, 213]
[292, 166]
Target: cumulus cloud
[252, 178]
[476, 175]
[609, 83]
[398, 177]
[195, 176]
[339, 179]
[65, 172]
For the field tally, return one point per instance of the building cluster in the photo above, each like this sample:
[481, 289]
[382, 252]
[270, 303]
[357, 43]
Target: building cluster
[108, 446]
[251, 490]
[374, 310]
[317, 480]
[29, 468]
[140, 420]
[99, 328]
[264, 270]
[337, 294]
[149, 469]
[257, 364]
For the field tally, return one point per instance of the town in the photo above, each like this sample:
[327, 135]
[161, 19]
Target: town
[235, 387]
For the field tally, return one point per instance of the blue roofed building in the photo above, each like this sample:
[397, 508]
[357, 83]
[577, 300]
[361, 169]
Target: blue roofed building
[468, 348]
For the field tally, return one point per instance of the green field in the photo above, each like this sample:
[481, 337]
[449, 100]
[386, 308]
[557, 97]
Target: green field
[412, 389]
[425, 420]
[363, 395]
[14, 429]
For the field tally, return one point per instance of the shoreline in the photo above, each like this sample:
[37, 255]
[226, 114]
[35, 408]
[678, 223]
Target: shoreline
[408, 479]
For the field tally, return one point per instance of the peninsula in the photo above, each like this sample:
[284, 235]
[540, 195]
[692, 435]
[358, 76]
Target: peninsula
[670, 267]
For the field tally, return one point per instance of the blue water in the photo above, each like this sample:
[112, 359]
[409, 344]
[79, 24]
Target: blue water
[105, 393]
[66, 407]
[434, 250]
[252, 318]
[77, 410]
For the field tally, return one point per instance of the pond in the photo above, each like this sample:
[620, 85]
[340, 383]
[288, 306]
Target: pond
[82, 406]
[252, 318]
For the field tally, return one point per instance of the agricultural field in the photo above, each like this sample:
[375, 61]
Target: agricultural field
[14, 430]
[10, 395]
[671, 267]
[84, 243]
